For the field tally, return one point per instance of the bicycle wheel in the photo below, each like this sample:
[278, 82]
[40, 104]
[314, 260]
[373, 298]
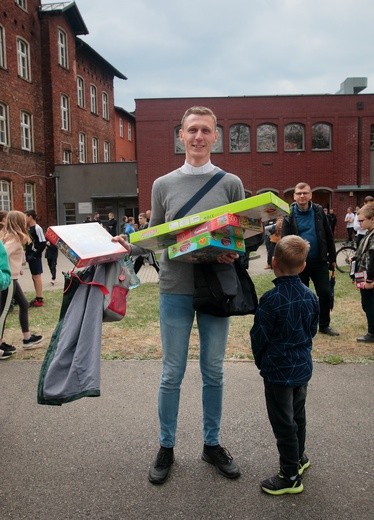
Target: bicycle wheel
[343, 256]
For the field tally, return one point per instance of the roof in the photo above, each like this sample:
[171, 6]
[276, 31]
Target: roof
[123, 111]
[68, 9]
[82, 44]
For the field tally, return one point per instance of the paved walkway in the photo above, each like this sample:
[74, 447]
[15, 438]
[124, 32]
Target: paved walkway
[89, 459]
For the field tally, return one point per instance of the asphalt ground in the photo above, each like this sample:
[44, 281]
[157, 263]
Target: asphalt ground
[89, 459]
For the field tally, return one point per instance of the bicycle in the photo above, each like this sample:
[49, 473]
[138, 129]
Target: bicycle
[344, 255]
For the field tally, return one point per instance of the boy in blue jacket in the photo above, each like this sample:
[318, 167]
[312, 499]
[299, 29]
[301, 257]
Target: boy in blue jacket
[281, 337]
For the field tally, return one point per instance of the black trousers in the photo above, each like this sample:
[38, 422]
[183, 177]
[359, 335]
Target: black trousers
[286, 412]
[367, 302]
[318, 272]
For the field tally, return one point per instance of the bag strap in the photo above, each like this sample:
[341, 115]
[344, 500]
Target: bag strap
[199, 194]
[73, 274]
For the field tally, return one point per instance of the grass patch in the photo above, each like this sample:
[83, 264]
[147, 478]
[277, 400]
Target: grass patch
[137, 336]
[333, 360]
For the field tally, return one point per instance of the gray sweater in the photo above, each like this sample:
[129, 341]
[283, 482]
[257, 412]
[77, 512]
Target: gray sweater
[169, 194]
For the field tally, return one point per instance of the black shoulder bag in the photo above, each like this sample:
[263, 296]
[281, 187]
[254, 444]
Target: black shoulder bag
[220, 289]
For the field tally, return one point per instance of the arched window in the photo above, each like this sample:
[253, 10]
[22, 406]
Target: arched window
[5, 200]
[26, 131]
[239, 138]
[82, 147]
[80, 92]
[267, 138]
[63, 49]
[4, 135]
[23, 58]
[2, 48]
[294, 137]
[28, 196]
[321, 136]
[95, 150]
[65, 113]
[93, 96]
[105, 102]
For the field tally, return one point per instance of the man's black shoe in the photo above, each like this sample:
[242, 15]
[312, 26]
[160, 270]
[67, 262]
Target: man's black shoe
[222, 460]
[159, 471]
[368, 338]
[329, 331]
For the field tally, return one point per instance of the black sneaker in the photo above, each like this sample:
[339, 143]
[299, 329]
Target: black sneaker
[281, 485]
[32, 341]
[304, 464]
[222, 460]
[159, 471]
[329, 331]
[7, 348]
[368, 338]
[5, 355]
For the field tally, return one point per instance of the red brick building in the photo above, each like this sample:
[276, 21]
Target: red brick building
[271, 143]
[125, 135]
[56, 102]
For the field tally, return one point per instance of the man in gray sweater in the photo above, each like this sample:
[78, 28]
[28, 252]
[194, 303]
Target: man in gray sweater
[169, 194]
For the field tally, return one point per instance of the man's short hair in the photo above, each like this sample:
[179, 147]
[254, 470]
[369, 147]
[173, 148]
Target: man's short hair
[301, 186]
[200, 111]
[31, 213]
[291, 252]
[369, 198]
[367, 210]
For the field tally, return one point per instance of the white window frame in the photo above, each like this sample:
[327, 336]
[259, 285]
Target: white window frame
[129, 131]
[93, 98]
[4, 125]
[95, 150]
[62, 41]
[2, 48]
[26, 131]
[106, 157]
[120, 127]
[22, 4]
[66, 157]
[80, 92]
[5, 196]
[28, 196]
[65, 112]
[105, 102]
[23, 59]
[82, 147]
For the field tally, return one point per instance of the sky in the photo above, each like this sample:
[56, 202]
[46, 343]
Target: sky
[210, 48]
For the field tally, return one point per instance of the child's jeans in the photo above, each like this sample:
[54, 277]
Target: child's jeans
[286, 411]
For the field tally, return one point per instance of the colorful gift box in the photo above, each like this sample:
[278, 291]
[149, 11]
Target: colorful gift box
[85, 244]
[205, 247]
[265, 207]
[226, 224]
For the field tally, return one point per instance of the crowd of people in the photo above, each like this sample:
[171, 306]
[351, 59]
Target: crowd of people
[301, 250]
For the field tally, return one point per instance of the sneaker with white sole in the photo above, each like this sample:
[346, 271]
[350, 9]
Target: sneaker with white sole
[5, 355]
[281, 484]
[8, 349]
[32, 341]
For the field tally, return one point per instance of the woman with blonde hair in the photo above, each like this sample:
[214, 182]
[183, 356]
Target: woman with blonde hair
[15, 236]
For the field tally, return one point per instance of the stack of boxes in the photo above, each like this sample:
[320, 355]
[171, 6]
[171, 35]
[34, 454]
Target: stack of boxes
[202, 236]
[202, 243]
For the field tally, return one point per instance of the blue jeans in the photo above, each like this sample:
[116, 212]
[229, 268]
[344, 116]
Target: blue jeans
[176, 320]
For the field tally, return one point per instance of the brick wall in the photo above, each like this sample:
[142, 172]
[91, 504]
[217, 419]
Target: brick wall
[278, 171]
